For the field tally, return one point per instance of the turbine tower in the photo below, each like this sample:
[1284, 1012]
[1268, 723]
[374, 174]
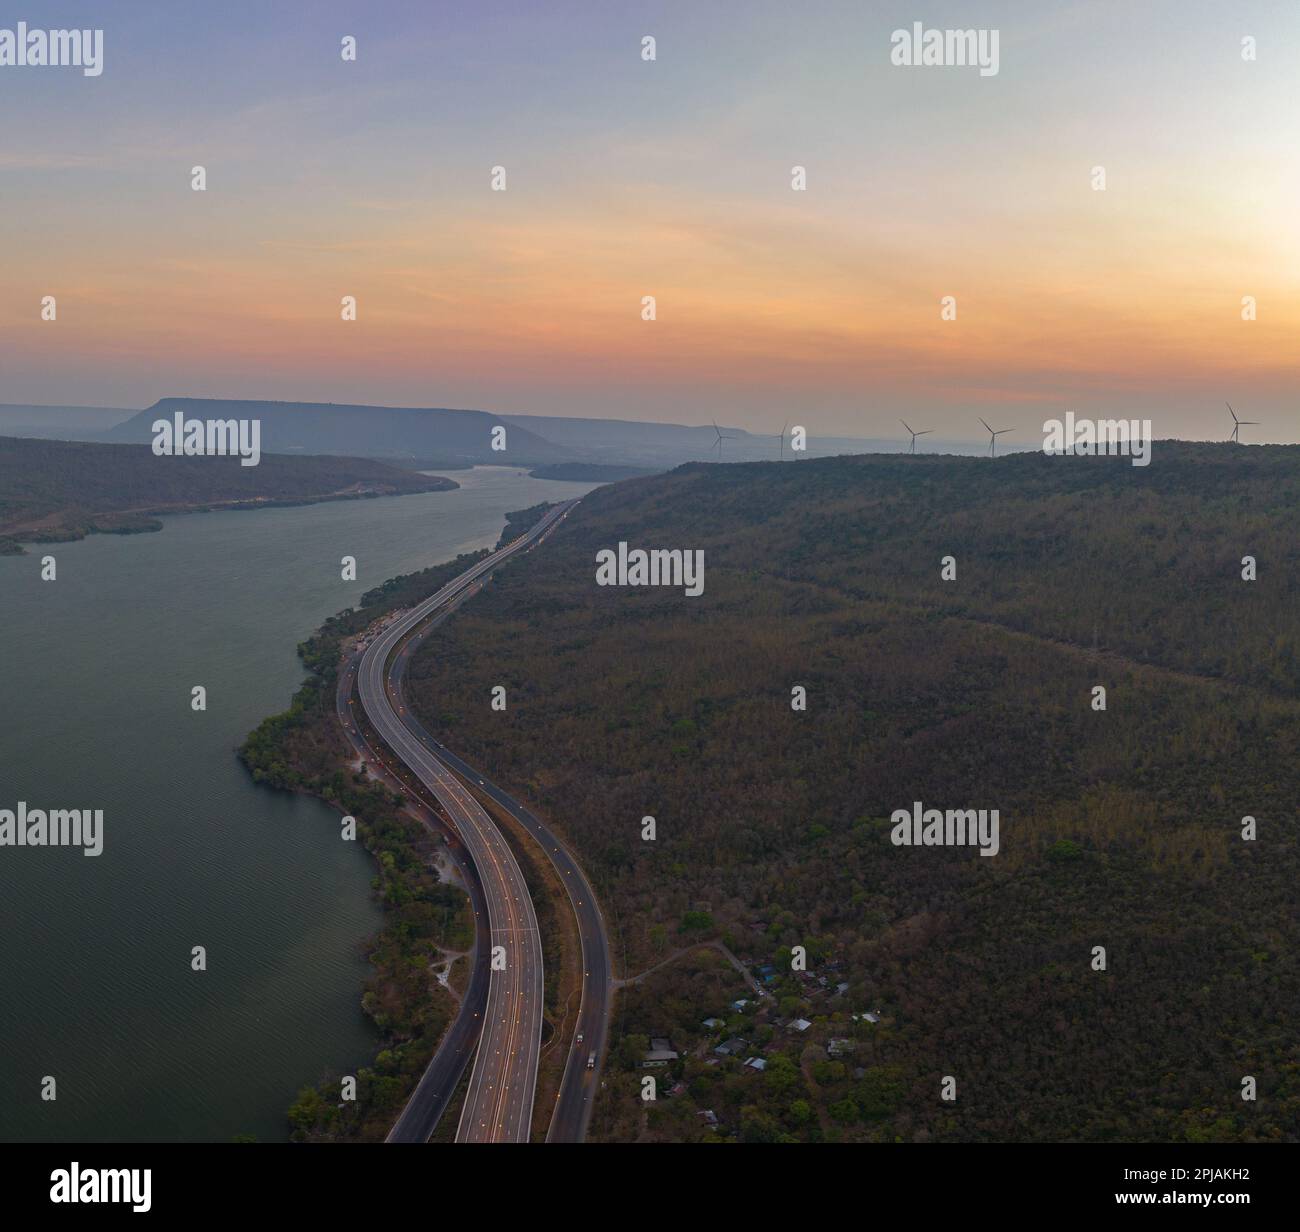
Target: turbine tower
[1239, 423]
[722, 436]
[923, 432]
[993, 436]
[781, 438]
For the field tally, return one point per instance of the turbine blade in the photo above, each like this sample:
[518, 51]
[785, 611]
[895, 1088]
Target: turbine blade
[984, 422]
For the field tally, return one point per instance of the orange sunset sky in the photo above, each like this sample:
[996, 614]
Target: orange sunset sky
[669, 178]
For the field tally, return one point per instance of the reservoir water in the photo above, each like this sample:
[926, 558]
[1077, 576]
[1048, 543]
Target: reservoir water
[96, 986]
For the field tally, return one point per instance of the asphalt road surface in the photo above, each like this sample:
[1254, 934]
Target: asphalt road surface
[502, 1087]
[579, 1085]
[438, 1083]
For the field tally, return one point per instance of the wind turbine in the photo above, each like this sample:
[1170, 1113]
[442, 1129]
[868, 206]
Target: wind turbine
[781, 438]
[993, 436]
[722, 436]
[925, 432]
[1239, 423]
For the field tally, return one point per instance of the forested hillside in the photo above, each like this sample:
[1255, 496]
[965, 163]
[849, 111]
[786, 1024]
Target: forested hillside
[59, 490]
[1120, 828]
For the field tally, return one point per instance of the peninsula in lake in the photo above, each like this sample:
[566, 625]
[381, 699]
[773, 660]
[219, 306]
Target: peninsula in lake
[56, 491]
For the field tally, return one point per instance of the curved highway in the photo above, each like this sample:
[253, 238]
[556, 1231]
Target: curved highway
[441, 1077]
[499, 1102]
[578, 1086]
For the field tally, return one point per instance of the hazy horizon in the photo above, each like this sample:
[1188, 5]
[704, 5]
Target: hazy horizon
[1014, 441]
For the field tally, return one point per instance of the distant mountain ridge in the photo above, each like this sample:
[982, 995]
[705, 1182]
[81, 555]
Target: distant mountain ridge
[397, 434]
[59, 422]
[430, 438]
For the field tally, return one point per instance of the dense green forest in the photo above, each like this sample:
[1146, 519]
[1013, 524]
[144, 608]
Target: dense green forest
[1120, 828]
[520, 521]
[52, 491]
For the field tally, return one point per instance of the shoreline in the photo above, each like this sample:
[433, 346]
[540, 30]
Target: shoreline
[309, 749]
[148, 520]
[305, 750]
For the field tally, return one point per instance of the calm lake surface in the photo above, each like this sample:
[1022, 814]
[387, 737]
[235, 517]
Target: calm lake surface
[96, 987]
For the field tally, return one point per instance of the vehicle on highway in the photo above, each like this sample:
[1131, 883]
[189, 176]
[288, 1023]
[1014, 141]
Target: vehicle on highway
[591, 1061]
[578, 1042]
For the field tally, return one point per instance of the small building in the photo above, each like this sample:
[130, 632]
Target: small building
[839, 1047]
[659, 1044]
[709, 1117]
[712, 1024]
[657, 1057]
[729, 1048]
[756, 1063]
[800, 1024]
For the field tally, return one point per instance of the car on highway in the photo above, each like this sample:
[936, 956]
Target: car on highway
[578, 1042]
[591, 1061]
